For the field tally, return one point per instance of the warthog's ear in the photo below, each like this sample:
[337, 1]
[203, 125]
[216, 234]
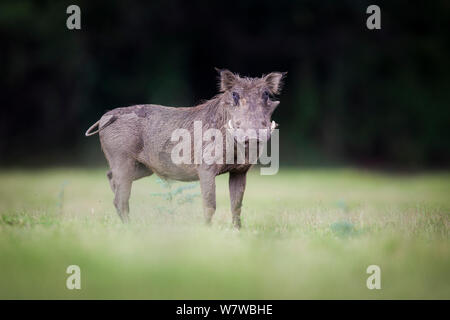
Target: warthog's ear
[227, 79]
[274, 81]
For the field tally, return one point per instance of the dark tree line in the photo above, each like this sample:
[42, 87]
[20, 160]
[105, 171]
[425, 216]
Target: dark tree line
[351, 94]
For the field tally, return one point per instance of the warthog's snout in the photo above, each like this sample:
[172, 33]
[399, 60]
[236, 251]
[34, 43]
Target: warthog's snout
[242, 135]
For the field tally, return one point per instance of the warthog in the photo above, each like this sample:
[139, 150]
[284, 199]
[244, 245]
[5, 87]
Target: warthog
[137, 140]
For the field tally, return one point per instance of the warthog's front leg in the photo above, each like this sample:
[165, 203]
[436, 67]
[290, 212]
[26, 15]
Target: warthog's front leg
[237, 188]
[208, 187]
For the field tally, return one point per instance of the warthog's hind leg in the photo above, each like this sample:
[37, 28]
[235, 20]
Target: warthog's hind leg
[111, 181]
[121, 198]
[121, 178]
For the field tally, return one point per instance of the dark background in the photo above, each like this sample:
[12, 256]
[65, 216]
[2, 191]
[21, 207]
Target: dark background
[353, 96]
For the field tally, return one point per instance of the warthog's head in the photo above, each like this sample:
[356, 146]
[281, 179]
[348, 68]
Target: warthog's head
[249, 105]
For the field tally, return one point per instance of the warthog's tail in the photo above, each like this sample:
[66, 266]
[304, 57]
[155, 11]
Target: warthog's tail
[89, 131]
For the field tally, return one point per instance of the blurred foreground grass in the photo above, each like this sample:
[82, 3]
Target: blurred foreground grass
[306, 234]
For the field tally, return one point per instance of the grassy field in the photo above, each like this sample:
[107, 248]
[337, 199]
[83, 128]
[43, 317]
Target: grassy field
[306, 234]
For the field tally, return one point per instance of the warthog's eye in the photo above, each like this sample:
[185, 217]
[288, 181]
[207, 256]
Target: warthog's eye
[235, 98]
[265, 95]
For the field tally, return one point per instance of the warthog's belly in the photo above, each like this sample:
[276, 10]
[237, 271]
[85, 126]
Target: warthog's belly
[166, 168]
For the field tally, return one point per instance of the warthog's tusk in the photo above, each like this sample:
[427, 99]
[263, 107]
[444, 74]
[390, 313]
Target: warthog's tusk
[229, 124]
[273, 126]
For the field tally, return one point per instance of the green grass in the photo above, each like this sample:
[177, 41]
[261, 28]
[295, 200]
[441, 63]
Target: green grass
[306, 234]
